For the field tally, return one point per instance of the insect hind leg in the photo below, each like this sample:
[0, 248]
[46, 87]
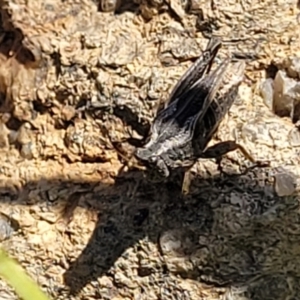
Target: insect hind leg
[220, 149]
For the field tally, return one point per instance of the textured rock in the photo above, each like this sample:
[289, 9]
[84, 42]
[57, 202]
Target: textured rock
[90, 228]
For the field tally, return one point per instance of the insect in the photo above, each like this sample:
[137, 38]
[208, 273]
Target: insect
[182, 129]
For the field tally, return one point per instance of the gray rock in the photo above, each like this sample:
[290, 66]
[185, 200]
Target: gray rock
[292, 65]
[284, 95]
[294, 137]
[7, 226]
[285, 182]
[267, 92]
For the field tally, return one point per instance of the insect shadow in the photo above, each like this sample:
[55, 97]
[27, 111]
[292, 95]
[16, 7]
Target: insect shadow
[138, 210]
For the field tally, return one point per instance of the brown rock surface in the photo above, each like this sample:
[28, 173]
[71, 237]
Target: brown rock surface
[85, 230]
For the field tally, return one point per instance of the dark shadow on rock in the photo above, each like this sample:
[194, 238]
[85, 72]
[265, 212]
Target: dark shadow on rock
[130, 118]
[139, 209]
[127, 6]
[244, 236]
[136, 210]
[21, 63]
[130, 6]
[13, 41]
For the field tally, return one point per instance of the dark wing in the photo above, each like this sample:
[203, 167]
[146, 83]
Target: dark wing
[196, 71]
[180, 129]
[220, 105]
[192, 75]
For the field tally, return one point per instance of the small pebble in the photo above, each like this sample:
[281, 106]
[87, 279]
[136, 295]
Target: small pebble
[7, 227]
[294, 137]
[285, 182]
[267, 92]
[27, 151]
[109, 5]
[284, 95]
[176, 242]
[293, 67]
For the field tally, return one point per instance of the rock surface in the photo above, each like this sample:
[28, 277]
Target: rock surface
[87, 229]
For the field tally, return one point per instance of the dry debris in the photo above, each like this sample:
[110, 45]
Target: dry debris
[83, 226]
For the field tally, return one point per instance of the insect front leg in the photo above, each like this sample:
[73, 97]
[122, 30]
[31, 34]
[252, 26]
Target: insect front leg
[136, 142]
[162, 167]
[186, 182]
[128, 160]
[158, 170]
[220, 149]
